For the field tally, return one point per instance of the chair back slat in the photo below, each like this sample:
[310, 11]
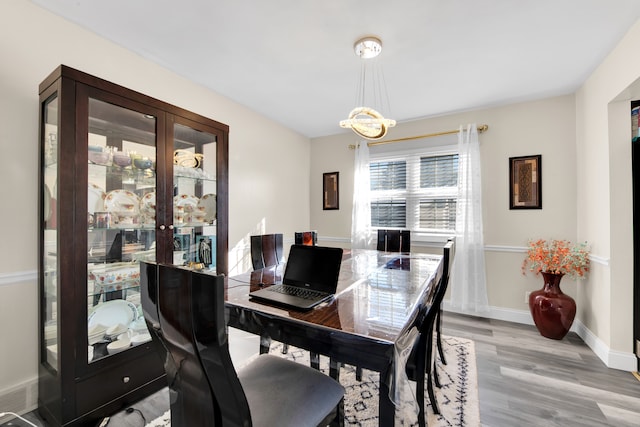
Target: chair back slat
[183, 368]
[212, 345]
[266, 250]
[394, 240]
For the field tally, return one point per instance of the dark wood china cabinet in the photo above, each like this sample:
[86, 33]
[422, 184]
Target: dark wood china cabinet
[123, 177]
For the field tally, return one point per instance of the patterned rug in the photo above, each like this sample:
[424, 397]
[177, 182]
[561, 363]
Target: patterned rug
[457, 399]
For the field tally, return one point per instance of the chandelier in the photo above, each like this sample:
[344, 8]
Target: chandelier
[368, 122]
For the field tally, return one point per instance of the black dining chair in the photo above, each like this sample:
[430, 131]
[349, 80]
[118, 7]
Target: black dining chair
[167, 312]
[449, 266]
[266, 250]
[421, 364]
[268, 391]
[308, 238]
[394, 240]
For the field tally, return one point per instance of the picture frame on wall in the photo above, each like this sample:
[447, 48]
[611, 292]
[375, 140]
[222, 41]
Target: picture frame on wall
[330, 191]
[525, 182]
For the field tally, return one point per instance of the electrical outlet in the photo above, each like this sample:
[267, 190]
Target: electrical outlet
[526, 297]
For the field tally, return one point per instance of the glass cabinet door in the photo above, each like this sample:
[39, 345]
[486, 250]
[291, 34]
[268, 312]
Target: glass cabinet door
[195, 197]
[49, 262]
[121, 224]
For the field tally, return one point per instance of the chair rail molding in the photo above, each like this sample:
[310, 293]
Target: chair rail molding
[17, 277]
[523, 249]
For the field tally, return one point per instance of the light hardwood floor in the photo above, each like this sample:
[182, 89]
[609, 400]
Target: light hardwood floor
[524, 379]
[527, 380]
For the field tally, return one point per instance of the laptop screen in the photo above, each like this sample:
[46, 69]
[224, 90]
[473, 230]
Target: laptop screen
[314, 267]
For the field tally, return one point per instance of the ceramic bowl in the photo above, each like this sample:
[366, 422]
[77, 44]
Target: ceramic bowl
[139, 326]
[121, 159]
[142, 163]
[118, 346]
[100, 158]
[140, 338]
[127, 335]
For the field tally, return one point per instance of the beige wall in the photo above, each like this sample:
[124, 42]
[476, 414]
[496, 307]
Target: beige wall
[545, 127]
[604, 191]
[264, 196]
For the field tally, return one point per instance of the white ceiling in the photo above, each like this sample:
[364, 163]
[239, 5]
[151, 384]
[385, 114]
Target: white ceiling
[293, 60]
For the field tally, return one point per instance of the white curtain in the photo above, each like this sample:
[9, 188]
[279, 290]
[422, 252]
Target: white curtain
[361, 214]
[468, 281]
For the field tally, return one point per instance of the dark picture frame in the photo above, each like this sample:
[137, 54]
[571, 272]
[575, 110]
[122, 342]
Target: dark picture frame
[330, 191]
[525, 182]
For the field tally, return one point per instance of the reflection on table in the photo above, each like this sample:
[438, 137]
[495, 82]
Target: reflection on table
[376, 306]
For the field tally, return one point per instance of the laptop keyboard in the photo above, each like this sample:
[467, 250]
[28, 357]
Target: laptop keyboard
[307, 294]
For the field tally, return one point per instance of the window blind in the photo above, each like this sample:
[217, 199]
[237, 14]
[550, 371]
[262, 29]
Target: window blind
[416, 191]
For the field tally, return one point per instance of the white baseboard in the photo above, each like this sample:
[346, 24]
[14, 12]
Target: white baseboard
[19, 398]
[611, 358]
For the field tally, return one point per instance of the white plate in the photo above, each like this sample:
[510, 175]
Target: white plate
[187, 201]
[113, 312]
[208, 201]
[121, 201]
[148, 204]
[95, 199]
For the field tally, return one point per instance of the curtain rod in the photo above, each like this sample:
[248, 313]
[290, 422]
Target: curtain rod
[481, 128]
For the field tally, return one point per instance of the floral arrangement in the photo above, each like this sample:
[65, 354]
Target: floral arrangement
[557, 256]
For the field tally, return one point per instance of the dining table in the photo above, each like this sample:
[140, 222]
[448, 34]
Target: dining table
[371, 322]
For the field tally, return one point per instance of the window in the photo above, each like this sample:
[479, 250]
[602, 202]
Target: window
[416, 191]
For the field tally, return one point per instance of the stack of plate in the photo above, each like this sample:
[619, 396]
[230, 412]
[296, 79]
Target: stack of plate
[96, 333]
[113, 331]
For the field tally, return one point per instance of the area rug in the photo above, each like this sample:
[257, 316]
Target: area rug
[457, 398]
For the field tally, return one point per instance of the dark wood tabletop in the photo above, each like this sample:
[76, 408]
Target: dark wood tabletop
[378, 300]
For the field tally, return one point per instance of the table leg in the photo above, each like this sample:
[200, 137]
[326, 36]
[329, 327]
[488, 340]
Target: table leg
[386, 408]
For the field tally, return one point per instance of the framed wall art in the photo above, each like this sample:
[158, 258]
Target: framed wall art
[330, 191]
[525, 182]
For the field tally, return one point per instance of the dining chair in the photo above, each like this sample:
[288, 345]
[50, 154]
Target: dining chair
[449, 266]
[421, 366]
[167, 313]
[266, 250]
[394, 240]
[268, 391]
[309, 238]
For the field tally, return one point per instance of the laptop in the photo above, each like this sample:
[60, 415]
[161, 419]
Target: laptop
[310, 277]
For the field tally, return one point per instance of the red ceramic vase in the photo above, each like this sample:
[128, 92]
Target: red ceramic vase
[553, 312]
